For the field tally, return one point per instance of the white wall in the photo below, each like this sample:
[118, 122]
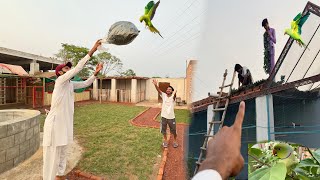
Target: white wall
[177, 83]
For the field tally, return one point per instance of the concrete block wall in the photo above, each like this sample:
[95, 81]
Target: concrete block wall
[18, 141]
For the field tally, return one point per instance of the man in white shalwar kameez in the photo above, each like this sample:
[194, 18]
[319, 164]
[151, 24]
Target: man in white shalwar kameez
[58, 126]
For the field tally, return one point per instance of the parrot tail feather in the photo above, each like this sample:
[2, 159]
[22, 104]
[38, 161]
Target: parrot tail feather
[154, 30]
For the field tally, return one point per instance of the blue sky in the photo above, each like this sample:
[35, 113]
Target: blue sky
[233, 34]
[39, 27]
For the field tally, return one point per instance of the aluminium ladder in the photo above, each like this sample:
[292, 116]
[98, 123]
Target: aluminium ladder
[220, 98]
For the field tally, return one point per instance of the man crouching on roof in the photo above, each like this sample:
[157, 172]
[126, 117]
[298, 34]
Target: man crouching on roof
[58, 126]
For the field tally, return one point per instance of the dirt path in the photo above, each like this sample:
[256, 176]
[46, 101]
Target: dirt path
[175, 167]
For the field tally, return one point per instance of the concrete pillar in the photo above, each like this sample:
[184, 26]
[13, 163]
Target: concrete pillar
[113, 93]
[34, 68]
[95, 90]
[134, 83]
[264, 118]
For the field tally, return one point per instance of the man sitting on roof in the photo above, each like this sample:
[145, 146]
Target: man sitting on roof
[244, 75]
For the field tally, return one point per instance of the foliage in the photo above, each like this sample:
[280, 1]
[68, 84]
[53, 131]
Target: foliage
[128, 72]
[111, 63]
[263, 165]
[74, 54]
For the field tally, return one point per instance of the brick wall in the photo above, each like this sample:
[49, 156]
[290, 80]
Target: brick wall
[18, 140]
[190, 71]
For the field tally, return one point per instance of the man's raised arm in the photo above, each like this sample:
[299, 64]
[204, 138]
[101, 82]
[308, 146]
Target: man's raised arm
[156, 86]
[89, 81]
[71, 73]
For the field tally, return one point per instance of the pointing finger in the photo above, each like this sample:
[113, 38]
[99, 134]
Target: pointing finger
[239, 118]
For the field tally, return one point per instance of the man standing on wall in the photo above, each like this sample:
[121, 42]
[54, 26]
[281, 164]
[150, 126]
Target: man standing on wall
[269, 39]
[58, 126]
[167, 113]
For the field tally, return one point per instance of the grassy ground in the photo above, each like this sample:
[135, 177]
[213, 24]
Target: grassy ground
[182, 116]
[42, 118]
[114, 148]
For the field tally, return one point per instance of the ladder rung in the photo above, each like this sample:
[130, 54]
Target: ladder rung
[219, 109]
[225, 86]
[223, 97]
[202, 148]
[206, 135]
[214, 122]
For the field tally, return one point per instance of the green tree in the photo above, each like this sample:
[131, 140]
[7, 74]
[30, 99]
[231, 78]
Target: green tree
[111, 63]
[74, 54]
[128, 72]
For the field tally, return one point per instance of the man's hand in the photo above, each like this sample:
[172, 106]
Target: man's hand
[154, 82]
[223, 151]
[94, 48]
[99, 67]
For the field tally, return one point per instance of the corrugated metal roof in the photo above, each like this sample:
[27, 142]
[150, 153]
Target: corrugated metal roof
[12, 69]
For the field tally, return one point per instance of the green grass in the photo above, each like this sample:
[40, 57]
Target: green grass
[113, 148]
[42, 118]
[182, 116]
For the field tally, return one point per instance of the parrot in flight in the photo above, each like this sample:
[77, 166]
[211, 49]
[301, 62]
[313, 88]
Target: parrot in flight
[296, 25]
[149, 12]
[285, 153]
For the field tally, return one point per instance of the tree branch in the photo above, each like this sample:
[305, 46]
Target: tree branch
[256, 159]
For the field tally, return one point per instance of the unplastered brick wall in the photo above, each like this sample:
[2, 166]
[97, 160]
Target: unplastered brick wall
[19, 137]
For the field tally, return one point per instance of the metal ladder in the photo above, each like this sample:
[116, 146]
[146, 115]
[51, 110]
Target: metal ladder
[2, 90]
[221, 97]
[20, 90]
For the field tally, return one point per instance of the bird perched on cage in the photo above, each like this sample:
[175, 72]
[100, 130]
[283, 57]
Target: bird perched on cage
[149, 12]
[286, 154]
[295, 30]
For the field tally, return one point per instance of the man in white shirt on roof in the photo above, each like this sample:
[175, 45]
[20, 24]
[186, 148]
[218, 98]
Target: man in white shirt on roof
[58, 126]
[167, 114]
[244, 75]
[223, 158]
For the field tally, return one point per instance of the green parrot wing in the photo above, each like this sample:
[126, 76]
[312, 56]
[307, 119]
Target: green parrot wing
[148, 7]
[152, 12]
[302, 20]
[298, 16]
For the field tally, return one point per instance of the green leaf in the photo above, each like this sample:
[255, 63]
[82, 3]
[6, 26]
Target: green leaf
[307, 163]
[301, 173]
[316, 155]
[255, 152]
[277, 172]
[259, 173]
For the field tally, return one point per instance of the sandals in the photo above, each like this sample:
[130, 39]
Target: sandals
[165, 144]
[175, 144]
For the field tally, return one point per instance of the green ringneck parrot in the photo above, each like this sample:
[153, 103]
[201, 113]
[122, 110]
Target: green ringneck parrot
[296, 25]
[285, 153]
[149, 12]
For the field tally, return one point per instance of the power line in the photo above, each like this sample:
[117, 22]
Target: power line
[207, 86]
[176, 19]
[191, 38]
[181, 35]
[175, 33]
